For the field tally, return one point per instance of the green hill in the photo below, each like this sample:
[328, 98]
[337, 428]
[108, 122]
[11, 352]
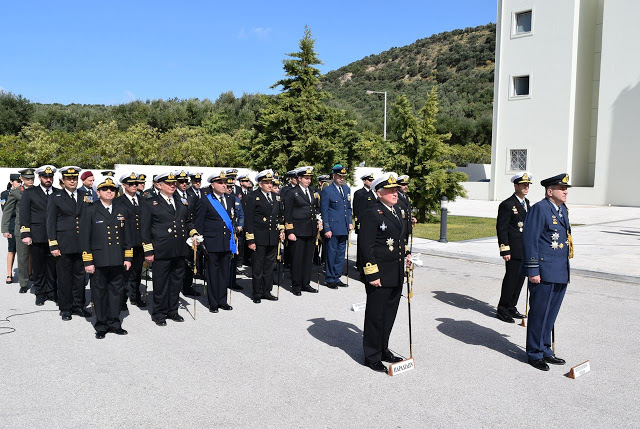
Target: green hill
[460, 62]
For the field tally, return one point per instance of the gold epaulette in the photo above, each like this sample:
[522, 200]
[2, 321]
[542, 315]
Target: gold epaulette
[281, 227]
[370, 268]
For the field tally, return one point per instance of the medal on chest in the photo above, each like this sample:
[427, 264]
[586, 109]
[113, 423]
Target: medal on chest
[515, 210]
[390, 244]
[383, 227]
[520, 225]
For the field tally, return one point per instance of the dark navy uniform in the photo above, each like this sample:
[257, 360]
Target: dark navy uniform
[190, 201]
[238, 222]
[63, 229]
[301, 214]
[546, 252]
[165, 229]
[383, 246]
[33, 217]
[335, 206]
[262, 226]
[217, 241]
[509, 227]
[106, 244]
[132, 277]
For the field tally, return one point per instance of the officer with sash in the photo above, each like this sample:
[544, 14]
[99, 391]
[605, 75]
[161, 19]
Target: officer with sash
[509, 225]
[12, 211]
[302, 222]
[105, 242]
[165, 229]
[134, 202]
[214, 215]
[33, 232]
[64, 211]
[383, 239]
[335, 206]
[263, 233]
[547, 247]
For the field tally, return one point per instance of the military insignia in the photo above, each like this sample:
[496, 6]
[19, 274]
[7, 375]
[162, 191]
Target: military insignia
[555, 222]
[383, 226]
[390, 244]
[554, 245]
[555, 236]
[184, 201]
[155, 203]
[515, 210]
[379, 211]
[258, 198]
[88, 199]
[402, 211]
[561, 245]
[315, 195]
[169, 230]
[520, 224]
[565, 179]
[264, 219]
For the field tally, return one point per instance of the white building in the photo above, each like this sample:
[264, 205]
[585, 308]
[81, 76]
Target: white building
[567, 97]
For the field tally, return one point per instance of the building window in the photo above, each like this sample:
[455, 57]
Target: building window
[523, 22]
[518, 159]
[520, 86]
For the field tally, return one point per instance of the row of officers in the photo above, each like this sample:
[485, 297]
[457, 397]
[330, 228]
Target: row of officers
[110, 229]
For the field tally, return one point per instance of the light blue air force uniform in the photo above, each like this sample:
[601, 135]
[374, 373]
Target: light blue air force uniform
[336, 217]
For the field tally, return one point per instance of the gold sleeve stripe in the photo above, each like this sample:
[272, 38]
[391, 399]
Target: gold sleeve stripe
[147, 247]
[288, 226]
[53, 242]
[370, 269]
[87, 257]
[250, 236]
[128, 253]
[192, 232]
[504, 248]
[281, 227]
[25, 229]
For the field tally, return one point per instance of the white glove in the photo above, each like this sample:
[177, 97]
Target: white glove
[415, 259]
[198, 238]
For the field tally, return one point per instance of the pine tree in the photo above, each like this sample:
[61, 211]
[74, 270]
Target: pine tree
[296, 127]
[420, 152]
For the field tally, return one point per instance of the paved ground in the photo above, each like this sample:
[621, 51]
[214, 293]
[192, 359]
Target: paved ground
[297, 362]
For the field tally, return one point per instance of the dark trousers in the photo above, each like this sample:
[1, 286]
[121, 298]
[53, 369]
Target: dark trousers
[544, 304]
[263, 262]
[70, 272]
[106, 292]
[44, 270]
[511, 284]
[132, 277]
[233, 264]
[187, 280]
[379, 316]
[301, 259]
[167, 283]
[336, 247]
[218, 278]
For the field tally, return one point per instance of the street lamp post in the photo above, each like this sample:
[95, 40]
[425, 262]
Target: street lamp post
[385, 110]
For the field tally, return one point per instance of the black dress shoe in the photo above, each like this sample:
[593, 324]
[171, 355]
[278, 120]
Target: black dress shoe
[513, 312]
[161, 322]
[391, 358]
[297, 293]
[377, 366]
[553, 360]
[269, 297]
[505, 317]
[341, 284]
[309, 289]
[236, 287]
[191, 292]
[120, 331]
[66, 316]
[257, 300]
[81, 312]
[213, 310]
[100, 335]
[225, 307]
[40, 301]
[539, 364]
[176, 318]
[332, 285]
[24, 289]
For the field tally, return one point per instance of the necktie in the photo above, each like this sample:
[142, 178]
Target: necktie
[269, 199]
[48, 191]
[170, 203]
[524, 205]
[223, 202]
[73, 195]
[341, 192]
[393, 211]
[306, 191]
[198, 194]
[135, 203]
[109, 209]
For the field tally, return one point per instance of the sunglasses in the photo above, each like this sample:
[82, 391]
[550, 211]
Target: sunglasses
[108, 188]
[183, 181]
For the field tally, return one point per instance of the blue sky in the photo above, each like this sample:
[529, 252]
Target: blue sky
[112, 52]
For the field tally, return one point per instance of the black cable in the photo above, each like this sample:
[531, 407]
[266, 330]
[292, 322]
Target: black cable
[12, 330]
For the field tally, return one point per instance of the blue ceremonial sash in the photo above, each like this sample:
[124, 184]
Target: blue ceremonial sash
[227, 221]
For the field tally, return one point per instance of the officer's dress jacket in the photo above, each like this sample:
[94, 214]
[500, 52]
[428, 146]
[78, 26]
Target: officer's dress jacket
[546, 242]
[300, 214]
[63, 220]
[164, 229]
[105, 240]
[262, 219]
[211, 225]
[33, 214]
[509, 226]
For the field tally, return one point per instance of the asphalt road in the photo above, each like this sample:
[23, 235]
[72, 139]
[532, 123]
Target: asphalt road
[298, 362]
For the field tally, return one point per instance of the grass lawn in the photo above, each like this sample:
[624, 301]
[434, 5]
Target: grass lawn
[458, 228]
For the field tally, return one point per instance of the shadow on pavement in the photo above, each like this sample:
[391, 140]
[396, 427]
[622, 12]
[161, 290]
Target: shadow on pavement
[476, 335]
[335, 333]
[465, 302]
